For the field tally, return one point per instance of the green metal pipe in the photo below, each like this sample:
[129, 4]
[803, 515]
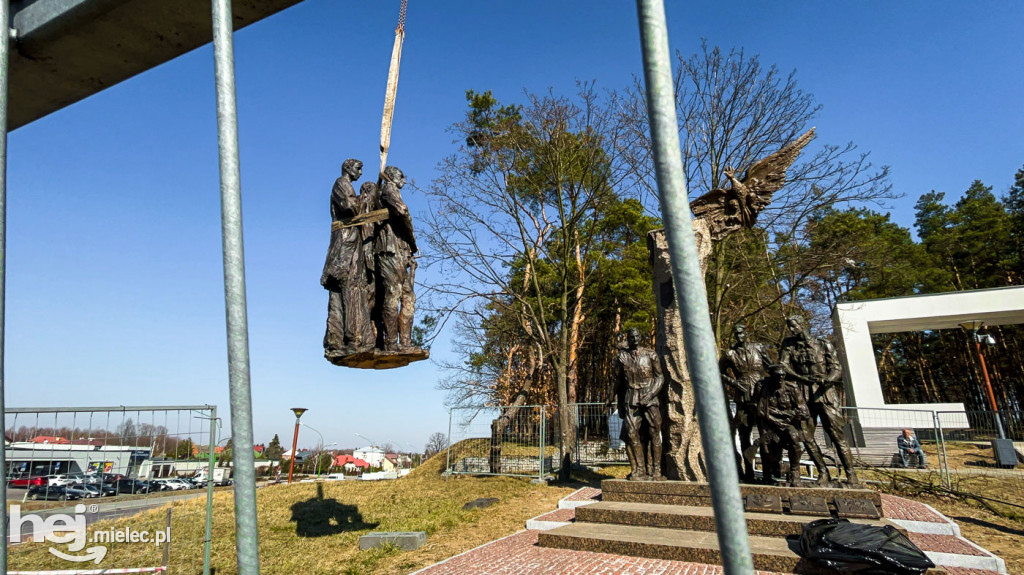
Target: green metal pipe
[246, 527]
[691, 294]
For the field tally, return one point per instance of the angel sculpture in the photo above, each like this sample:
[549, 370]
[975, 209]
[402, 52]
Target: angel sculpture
[738, 207]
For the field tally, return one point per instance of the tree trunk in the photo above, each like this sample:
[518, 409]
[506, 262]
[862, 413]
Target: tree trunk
[683, 457]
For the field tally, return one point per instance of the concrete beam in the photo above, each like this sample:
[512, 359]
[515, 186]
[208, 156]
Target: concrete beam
[68, 50]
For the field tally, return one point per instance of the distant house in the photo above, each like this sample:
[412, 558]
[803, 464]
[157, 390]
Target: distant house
[350, 463]
[49, 439]
[399, 460]
[372, 455]
[302, 455]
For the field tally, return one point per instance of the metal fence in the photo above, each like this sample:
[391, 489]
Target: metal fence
[957, 445]
[117, 461]
[598, 439]
[481, 442]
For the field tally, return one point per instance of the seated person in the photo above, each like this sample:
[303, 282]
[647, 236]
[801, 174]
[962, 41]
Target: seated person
[909, 445]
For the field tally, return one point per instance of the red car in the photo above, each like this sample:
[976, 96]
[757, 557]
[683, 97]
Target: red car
[27, 481]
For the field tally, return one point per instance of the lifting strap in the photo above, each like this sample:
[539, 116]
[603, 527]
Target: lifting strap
[392, 89]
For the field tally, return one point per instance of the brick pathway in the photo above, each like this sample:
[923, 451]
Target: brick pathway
[899, 508]
[943, 544]
[519, 555]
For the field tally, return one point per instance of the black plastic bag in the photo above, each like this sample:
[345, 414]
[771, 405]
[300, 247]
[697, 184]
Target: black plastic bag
[861, 549]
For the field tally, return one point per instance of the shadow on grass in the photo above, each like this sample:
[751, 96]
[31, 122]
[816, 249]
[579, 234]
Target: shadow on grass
[987, 524]
[318, 517]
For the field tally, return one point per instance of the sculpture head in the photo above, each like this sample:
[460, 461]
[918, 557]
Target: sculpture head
[777, 372]
[797, 326]
[395, 175]
[739, 331]
[352, 167]
[633, 338]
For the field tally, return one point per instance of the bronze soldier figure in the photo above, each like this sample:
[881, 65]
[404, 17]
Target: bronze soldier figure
[781, 416]
[813, 363]
[344, 275]
[747, 361]
[394, 246]
[638, 385]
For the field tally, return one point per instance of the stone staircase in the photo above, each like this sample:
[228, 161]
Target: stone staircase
[674, 520]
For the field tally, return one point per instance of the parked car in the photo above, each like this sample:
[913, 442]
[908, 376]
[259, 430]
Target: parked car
[82, 490]
[156, 485]
[58, 479]
[111, 478]
[177, 484]
[130, 486]
[53, 492]
[27, 481]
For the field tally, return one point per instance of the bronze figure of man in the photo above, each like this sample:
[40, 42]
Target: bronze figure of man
[394, 246]
[743, 368]
[813, 363]
[638, 385]
[348, 310]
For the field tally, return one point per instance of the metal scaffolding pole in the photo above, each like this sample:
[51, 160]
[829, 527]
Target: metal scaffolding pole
[246, 529]
[5, 32]
[691, 296]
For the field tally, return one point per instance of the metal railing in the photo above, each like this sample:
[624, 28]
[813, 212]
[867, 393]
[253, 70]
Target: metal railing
[958, 445]
[114, 459]
[520, 444]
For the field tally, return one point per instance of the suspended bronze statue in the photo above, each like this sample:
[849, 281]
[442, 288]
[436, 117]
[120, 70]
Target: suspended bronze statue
[369, 273]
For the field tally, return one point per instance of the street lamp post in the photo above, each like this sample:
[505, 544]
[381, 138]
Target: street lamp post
[298, 411]
[974, 326]
[319, 450]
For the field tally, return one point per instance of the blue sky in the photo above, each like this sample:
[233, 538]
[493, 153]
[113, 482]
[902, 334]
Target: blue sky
[115, 293]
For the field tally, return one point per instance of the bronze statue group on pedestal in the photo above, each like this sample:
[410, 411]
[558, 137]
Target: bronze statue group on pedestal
[370, 271]
[782, 401]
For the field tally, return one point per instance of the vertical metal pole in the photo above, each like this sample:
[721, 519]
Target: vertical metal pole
[5, 32]
[701, 354]
[246, 529]
[448, 452]
[940, 442]
[295, 442]
[543, 421]
[209, 491]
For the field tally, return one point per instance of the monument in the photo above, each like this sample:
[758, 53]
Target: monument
[716, 214]
[369, 272]
[747, 363]
[813, 363]
[638, 385]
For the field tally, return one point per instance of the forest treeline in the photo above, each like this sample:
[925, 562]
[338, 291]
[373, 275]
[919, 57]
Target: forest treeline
[537, 229]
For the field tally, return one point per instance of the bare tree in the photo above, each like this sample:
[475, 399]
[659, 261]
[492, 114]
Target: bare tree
[512, 225]
[733, 111]
[436, 443]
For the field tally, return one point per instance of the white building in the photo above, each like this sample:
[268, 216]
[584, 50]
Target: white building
[372, 455]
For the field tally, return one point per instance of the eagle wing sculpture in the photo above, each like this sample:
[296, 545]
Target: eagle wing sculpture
[738, 206]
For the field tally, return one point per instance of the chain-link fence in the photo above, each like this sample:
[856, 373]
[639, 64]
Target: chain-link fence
[517, 441]
[598, 439]
[118, 470]
[961, 446]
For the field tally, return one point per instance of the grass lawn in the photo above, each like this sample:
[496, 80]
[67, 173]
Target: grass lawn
[314, 528]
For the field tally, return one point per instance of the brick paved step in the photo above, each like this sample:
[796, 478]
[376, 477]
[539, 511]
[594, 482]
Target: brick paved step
[699, 494]
[693, 517]
[776, 554]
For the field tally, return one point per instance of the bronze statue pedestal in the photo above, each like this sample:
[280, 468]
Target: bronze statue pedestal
[378, 359]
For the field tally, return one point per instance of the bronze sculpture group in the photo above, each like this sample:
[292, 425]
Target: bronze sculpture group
[783, 401]
[369, 273]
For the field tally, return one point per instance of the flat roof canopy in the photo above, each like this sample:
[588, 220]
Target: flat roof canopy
[68, 50]
[854, 322]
